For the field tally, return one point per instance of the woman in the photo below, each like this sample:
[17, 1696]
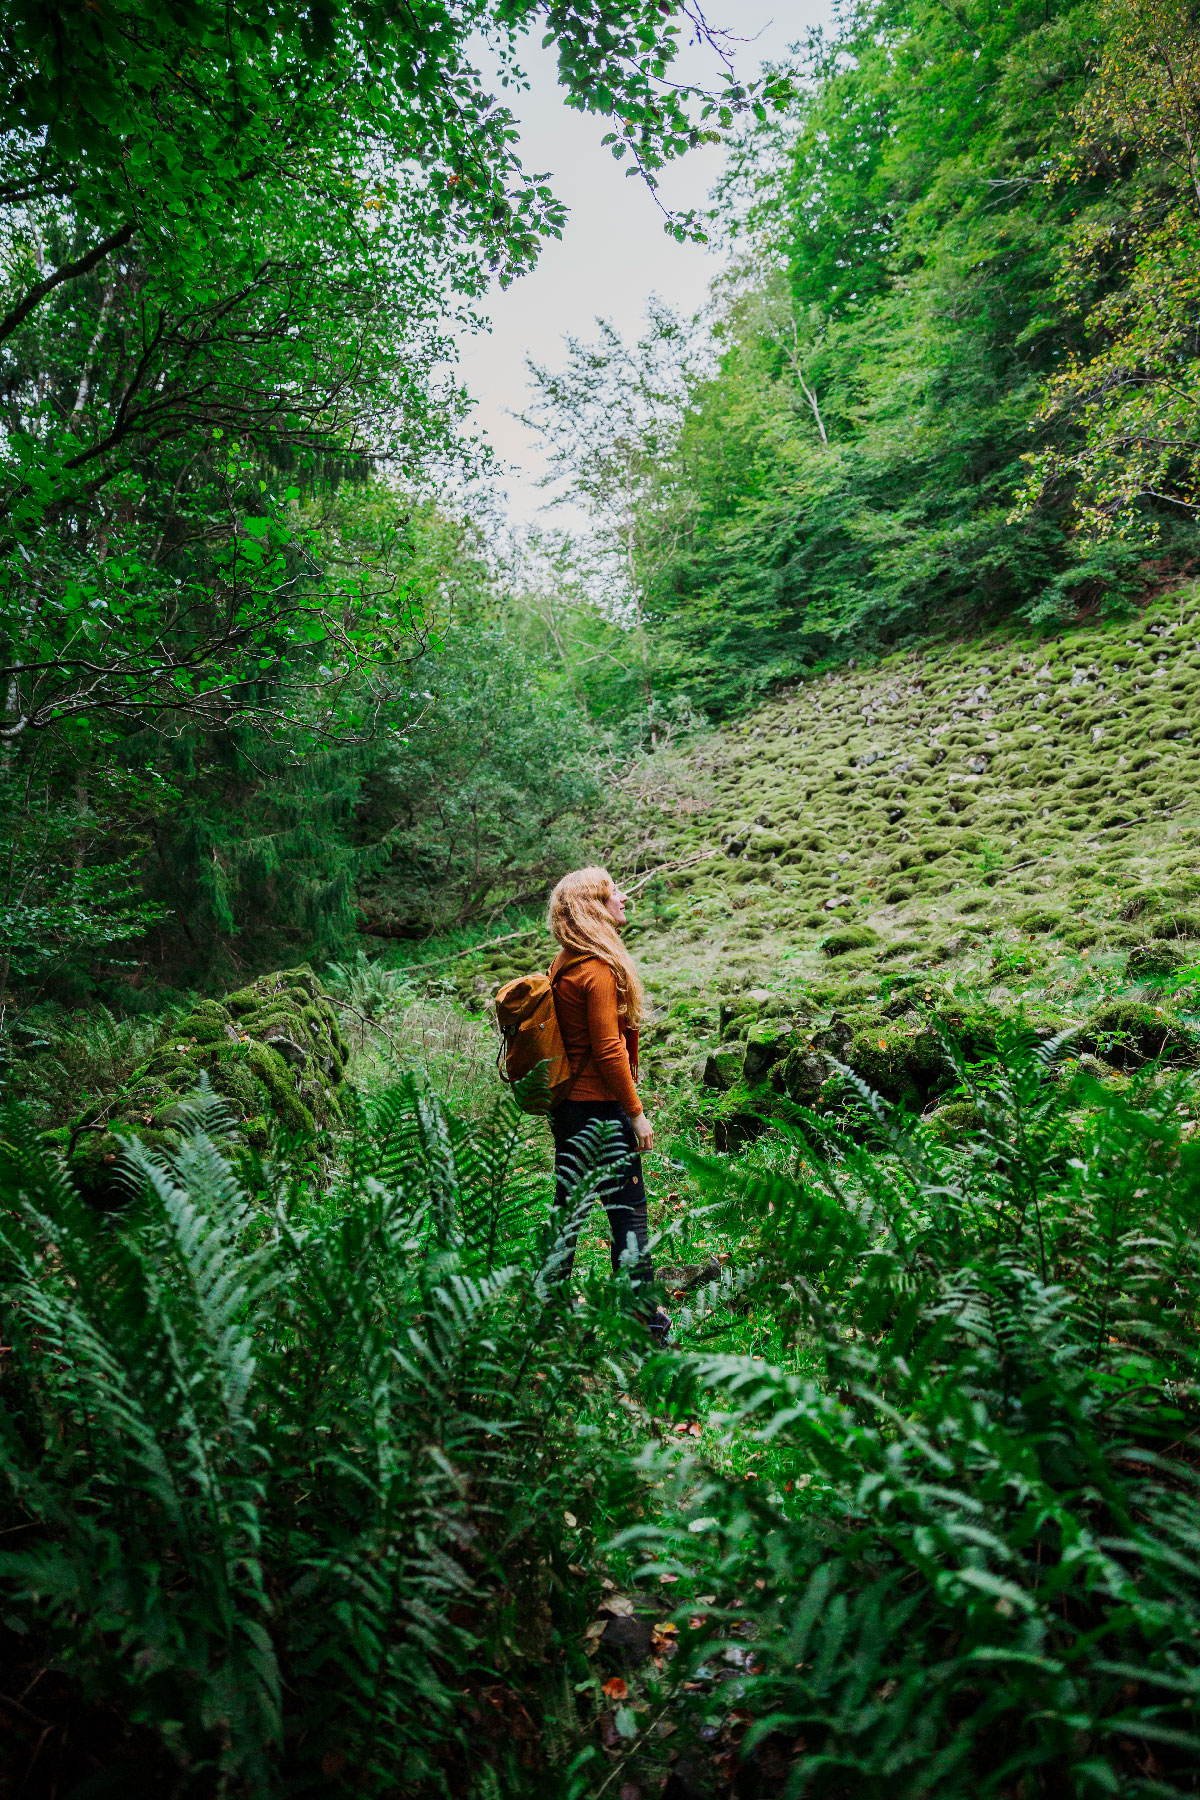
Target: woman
[598, 997]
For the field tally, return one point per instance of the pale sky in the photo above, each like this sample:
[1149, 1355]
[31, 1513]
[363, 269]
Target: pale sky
[613, 253]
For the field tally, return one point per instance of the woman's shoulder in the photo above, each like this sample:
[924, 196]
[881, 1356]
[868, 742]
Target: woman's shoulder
[586, 970]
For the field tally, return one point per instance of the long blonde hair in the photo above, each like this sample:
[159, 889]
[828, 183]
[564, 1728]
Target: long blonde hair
[580, 921]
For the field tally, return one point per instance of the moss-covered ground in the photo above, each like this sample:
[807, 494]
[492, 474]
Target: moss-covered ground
[957, 830]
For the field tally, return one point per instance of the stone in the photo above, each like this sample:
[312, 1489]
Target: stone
[723, 1067]
[626, 1642]
[738, 1129]
[767, 1044]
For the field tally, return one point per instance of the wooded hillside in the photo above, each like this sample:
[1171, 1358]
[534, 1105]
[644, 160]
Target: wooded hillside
[336, 1455]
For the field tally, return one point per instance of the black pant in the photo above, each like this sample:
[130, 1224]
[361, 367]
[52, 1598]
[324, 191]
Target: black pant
[620, 1187]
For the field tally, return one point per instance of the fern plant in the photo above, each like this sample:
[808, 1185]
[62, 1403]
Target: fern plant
[978, 1564]
[81, 1060]
[285, 1477]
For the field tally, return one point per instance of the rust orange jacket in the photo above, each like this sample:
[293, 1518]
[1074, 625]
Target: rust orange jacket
[586, 999]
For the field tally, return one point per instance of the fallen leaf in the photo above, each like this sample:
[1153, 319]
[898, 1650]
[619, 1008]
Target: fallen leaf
[570, 1519]
[706, 1599]
[666, 1629]
[666, 1579]
[576, 1569]
[630, 1792]
[617, 1605]
[697, 1430]
[615, 1688]
[596, 1628]
[665, 1728]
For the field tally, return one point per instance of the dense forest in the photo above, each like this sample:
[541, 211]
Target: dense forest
[872, 675]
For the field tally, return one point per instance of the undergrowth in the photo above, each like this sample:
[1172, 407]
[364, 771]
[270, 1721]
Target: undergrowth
[286, 1475]
[968, 1564]
[340, 1491]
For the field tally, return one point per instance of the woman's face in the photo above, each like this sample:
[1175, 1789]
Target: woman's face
[614, 906]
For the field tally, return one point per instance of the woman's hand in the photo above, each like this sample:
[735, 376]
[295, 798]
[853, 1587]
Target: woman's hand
[644, 1132]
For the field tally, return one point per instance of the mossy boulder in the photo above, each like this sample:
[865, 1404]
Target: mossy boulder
[801, 1075]
[737, 1014]
[741, 1115]
[850, 937]
[954, 1120]
[902, 1061]
[768, 1043]
[1127, 1033]
[1153, 959]
[1176, 924]
[723, 1067]
[272, 1051]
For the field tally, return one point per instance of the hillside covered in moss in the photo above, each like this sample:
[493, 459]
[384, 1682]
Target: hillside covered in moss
[967, 828]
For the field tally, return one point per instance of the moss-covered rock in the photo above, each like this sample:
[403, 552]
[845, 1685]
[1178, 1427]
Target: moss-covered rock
[801, 1075]
[954, 1120]
[1154, 958]
[273, 1051]
[768, 1043]
[1127, 1033]
[1176, 924]
[903, 1061]
[850, 937]
[723, 1068]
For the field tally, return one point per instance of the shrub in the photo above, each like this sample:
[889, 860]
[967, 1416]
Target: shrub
[285, 1483]
[968, 1568]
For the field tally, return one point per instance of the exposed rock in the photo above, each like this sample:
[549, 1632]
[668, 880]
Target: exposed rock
[801, 1075]
[627, 1641]
[767, 1044]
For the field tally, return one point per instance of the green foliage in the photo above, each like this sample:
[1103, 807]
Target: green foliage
[953, 357]
[73, 1062]
[482, 802]
[287, 1480]
[974, 1570]
[1122, 412]
[273, 1054]
[234, 241]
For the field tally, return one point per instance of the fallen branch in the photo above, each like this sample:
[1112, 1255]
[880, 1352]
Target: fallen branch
[672, 868]
[366, 1022]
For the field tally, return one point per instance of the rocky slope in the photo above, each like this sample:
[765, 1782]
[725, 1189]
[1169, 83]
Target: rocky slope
[963, 827]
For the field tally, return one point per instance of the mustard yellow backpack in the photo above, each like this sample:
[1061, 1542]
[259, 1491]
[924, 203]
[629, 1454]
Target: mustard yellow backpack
[529, 1035]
